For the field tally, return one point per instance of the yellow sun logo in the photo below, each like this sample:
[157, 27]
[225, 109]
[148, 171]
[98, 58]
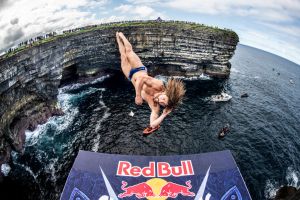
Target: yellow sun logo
[156, 184]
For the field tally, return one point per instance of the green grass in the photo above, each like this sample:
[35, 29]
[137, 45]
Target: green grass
[214, 31]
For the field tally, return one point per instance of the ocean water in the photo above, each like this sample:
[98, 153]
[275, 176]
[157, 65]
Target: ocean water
[263, 138]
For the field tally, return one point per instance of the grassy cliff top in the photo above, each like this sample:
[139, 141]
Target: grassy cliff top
[214, 31]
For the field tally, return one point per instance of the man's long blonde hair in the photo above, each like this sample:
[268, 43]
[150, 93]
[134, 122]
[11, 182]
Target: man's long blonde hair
[175, 91]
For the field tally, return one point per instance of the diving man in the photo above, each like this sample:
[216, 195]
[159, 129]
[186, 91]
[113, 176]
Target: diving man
[155, 92]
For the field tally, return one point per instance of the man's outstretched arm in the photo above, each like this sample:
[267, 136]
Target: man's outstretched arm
[155, 120]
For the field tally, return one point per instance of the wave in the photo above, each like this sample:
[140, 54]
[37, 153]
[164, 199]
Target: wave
[5, 169]
[50, 168]
[202, 77]
[79, 85]
[68, 103]
[234, 70]
[271, 189]
[96, 140]
[56, 125]
[292, 178]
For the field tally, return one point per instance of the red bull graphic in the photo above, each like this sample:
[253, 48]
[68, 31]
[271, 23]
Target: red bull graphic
[207, 176]
[172, 190]
[144, 190]
[140, 190]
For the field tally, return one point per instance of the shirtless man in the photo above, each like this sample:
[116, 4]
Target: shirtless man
[155, 92]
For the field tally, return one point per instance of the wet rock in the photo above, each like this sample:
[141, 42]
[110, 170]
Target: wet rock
[57, 112]
[18, 128]
[5, 150]
[287, 193]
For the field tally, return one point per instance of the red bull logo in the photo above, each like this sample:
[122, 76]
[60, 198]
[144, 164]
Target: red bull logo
[172, 190]
[140, 190]
[164, 169]
[156, 189]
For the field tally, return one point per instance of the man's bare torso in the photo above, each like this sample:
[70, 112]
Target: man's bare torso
[150, 87]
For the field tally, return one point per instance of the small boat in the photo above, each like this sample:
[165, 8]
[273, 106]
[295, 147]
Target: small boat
[291, 81]
[204, 77]
[221, 97]
[223, 132]
[244, 95]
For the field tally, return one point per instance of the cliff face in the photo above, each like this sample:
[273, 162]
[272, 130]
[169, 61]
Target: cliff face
[29, 79]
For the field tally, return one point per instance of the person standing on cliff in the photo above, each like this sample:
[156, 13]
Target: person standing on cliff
[155, 92]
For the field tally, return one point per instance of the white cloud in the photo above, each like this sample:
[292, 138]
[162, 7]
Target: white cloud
[139, 11]
[124, 8]
[270, 43]
[279, 20]
[22, 20]
[286, 29]
[267, 10]
[145, 2]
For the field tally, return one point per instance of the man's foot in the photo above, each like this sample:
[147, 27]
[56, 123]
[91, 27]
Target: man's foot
[123, 38]
[120, 44]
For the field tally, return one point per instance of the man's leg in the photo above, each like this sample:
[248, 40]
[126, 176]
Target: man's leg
[124, 62]
[133, 59]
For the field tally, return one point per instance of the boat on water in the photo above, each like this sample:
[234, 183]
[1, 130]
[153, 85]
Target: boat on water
[204, 77]
[221, 97]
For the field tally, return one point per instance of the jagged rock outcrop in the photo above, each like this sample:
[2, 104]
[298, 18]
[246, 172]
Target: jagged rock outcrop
[29, 79]
[287, 193]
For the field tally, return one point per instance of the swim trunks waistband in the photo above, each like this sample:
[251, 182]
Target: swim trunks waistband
[134, 70]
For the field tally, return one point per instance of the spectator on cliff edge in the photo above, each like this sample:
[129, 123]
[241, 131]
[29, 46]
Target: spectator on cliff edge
[155, 92]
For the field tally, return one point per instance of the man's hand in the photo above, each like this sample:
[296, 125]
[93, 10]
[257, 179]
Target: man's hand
[167, 111]
[138, 100]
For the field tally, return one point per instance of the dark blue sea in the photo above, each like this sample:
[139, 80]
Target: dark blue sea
[264, 128]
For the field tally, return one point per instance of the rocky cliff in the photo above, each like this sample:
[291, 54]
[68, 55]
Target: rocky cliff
[29, 79]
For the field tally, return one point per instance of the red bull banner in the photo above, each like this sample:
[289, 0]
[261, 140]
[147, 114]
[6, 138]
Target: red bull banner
[207, 176]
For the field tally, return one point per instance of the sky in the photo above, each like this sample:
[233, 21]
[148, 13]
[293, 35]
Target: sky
[270, 25]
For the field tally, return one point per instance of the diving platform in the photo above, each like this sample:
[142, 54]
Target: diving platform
[205, 176]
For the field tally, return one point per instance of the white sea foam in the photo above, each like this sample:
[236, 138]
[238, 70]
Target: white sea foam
[292, 177]
[5, 169]
[28, 169]
[33, 135]
[98, 125]
[270, 189]
[234, 70]
[202, 76]
[66, 103]
[15, 156]
[79, 85]
[50, 168]
[96, 141]
[58, 123]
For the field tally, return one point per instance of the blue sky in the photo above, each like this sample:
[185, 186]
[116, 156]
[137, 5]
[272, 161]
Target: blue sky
[271, 25]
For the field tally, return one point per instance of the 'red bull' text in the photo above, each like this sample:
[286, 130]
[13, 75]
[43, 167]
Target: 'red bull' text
[161, 169]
